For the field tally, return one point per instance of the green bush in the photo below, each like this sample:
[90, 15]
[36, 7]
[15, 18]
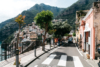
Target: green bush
[74, 34]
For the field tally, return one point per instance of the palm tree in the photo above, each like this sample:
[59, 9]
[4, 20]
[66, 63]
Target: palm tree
[20, 21]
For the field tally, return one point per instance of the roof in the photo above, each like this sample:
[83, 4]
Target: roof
[88, 14]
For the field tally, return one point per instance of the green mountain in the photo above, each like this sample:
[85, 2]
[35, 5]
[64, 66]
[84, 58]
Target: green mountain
[70, 12]
[10, 26]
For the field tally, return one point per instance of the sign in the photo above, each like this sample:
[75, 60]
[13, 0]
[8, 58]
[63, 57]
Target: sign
[33, 36]
[87, 27]
[89, 41]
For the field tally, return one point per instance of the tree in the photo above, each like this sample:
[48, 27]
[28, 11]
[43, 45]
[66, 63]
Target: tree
[74, 34]
[43, 19]
[51, 31]
[20, 21]
[61, 28]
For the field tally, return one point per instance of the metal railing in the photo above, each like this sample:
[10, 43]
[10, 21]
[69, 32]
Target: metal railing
[8, 50]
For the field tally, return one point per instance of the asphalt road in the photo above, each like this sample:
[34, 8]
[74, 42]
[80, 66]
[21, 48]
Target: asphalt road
[63, 56]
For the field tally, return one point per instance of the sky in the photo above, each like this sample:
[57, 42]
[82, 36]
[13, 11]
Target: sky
[11, 8]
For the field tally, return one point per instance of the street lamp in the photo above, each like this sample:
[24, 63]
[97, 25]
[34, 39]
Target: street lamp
[17, 52]
[33, 37]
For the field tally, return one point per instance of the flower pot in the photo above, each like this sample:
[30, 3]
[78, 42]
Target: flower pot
[88, 56]
[83, 50]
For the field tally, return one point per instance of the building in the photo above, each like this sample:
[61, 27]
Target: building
[79, 16]
[89, 30]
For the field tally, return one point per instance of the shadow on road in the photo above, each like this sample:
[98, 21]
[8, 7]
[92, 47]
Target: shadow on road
[59, 54]
[69, 58]
[68, 45]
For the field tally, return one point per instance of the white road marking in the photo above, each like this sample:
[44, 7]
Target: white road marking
[49, 59]
[36, 66]
[79, 51]
[89, 63]
[62, 61]
[77, 61]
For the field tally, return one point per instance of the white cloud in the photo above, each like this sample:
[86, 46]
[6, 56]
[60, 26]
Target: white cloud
[11, 8]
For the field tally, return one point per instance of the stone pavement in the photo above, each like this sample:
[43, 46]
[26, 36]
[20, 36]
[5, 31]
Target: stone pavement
[25, 57]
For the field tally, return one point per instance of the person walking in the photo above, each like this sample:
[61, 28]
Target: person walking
[58, 41]
[62, 41]
[55, 41]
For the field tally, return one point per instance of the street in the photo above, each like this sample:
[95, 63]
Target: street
[62, 56]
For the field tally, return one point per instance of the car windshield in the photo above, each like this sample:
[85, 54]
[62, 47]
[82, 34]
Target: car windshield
[70, 38]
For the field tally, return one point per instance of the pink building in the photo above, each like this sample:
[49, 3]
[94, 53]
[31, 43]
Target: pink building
[87, 33]
[88, 25]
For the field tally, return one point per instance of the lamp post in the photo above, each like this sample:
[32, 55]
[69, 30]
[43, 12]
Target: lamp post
[35, 49]
[37, 34]
[34, 36]
[17, 52]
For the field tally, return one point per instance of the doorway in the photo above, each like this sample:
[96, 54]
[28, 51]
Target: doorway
[87, 45]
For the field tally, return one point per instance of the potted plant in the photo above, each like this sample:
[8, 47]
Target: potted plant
[88, 56]
[83, 50]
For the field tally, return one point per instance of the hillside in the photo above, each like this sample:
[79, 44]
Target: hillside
[10, 26]
[70, 12]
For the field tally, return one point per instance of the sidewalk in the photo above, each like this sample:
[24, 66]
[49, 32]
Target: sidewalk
[93, 63]
[26, 58]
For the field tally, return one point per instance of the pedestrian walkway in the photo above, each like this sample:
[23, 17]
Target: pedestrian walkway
[25, 58]
[62, 61]
[63, 56]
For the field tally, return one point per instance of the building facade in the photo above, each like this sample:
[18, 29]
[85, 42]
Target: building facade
[89, 29]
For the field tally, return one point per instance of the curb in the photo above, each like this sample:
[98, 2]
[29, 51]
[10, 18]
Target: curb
[36, 58]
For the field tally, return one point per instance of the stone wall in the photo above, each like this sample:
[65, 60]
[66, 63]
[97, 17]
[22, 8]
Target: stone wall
[96, 7]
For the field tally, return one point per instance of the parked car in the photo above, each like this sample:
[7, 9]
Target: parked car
[70, 40]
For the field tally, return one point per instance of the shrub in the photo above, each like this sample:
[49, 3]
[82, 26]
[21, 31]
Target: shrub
[74, 34]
